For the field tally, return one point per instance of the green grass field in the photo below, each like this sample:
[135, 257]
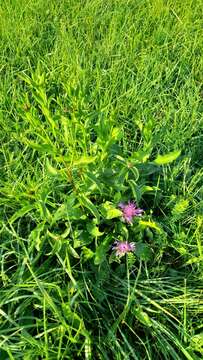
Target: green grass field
[101, 103]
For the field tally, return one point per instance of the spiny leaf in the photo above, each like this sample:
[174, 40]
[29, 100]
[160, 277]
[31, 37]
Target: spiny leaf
[150, 224]
[180, 207]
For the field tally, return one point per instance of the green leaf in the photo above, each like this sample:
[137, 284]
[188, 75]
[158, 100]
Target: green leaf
[101, 250]
[143, 251]
[81, 238]
[44, 148]
[131, 260]
[195, 260]
[35, 237]
[90, 206]
[180, 207]
[113, 213]
[84, 160]
[122, 229]
[197, 342]
[109, 211]
[65, 234]
[135, 190]
[121, 177]
[142, 316]
[147, 131]
[56, 242]
[146, 188]
[140, 155]
[65, 213]
[147, 169]
[72, 209]
[135, 172]
[116, 133]
[44, 211]
[94, 230]
[87, 253]
[73, 319]
[150, 224]
[61, 213]
[94, 180]
[72, 251]
[21, 213]
[166, 159]
[51, 170]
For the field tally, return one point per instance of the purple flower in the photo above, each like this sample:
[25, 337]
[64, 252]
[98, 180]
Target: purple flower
[130, 210]
[123, 247]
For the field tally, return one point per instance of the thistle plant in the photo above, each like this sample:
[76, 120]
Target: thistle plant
[129, 211]
[90, 232]
[123, 247]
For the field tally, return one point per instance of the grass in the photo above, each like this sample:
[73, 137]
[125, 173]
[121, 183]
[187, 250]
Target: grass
[88, 89]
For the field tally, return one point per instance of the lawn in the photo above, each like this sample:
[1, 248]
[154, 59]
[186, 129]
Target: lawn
[101, 207]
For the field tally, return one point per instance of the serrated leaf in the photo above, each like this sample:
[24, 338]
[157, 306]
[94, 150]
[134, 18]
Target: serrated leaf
[131, 260]
[196, 342]
[167, 158]
[116, 133]
[195, 260]
[150, 224]
[180, 207]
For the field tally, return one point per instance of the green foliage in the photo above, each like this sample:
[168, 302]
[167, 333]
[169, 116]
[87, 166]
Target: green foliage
[166, 159]
[100, 104]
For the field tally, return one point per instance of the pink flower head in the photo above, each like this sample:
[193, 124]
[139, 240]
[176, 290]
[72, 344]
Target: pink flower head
[130, 210]
[123, 247]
